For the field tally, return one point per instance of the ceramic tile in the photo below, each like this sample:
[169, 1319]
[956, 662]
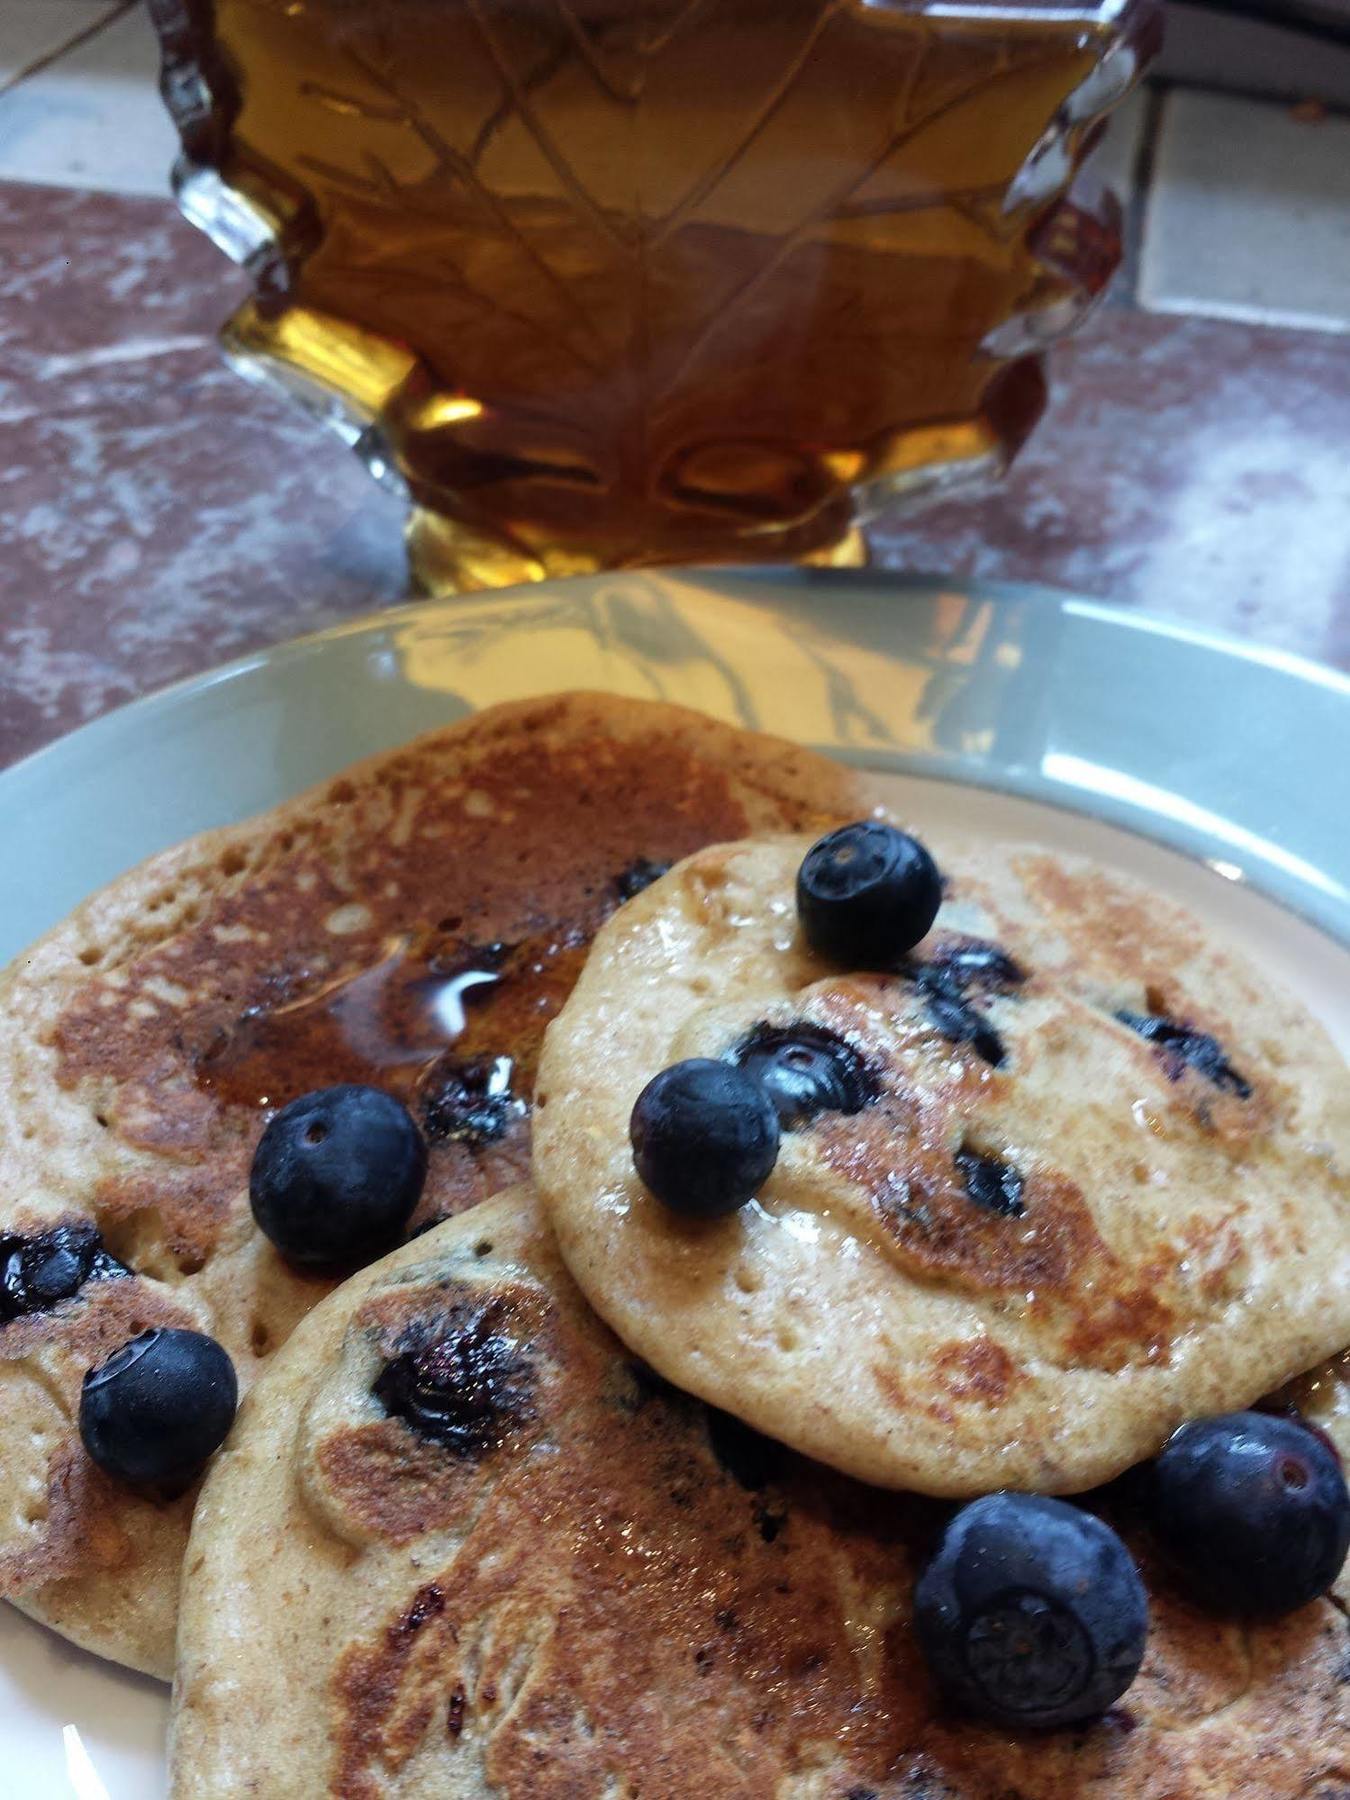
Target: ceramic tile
[32, 30]
[94, 117]
[1249, 214]
[157, 514]
[1194, 467]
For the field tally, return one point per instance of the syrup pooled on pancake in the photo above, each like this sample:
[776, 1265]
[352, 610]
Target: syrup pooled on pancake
[432, 1017]
[514, 1561]
[310, 973]
[413, 924]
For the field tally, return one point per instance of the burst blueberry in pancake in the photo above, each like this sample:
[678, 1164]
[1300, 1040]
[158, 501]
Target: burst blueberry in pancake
[464, 1543]
[412, 925]
[1063, 1174]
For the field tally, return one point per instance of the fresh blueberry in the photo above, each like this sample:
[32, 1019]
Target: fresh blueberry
[866, 894]
[1031, 1613]
[336, 1176]
[1254, 1509]
[705, 1137]
[805, 1070]
[159, 1406]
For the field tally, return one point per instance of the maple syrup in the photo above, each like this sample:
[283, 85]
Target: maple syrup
[603, 284]
[452, 1029]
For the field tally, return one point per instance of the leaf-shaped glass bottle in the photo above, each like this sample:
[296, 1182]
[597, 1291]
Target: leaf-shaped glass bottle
[601, 283]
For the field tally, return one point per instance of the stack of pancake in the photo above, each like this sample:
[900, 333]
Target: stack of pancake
[677, 1552]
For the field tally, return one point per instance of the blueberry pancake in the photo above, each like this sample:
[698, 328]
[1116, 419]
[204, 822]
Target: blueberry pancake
[463, 1543]
[412, 926]
[997, 1201]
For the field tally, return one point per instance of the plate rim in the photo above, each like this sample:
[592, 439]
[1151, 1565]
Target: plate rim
[409, 612]
[87, 741]
[1269, 873]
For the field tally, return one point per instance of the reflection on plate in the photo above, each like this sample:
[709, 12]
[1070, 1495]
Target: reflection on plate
[1007, 712]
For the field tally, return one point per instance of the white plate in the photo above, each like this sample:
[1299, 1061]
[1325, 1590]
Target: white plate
[1007, 712]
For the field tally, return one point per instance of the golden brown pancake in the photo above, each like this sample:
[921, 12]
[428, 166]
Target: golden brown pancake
[1101, 1184]
[555, 1578]
[413, 923]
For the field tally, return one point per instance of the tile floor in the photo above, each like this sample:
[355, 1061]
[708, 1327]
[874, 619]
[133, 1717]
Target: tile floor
[158, 515]
[1248, 214]
[83, 109]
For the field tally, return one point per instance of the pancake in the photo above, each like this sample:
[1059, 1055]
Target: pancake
[414, 923]
[589, 1585]
[1102, 1185]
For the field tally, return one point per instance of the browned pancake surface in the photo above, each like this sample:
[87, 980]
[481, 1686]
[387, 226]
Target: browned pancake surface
[414, 923]
[1045, 1240]
[608, 1590]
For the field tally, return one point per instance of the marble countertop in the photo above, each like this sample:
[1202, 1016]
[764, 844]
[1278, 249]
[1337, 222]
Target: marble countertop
[160, 515]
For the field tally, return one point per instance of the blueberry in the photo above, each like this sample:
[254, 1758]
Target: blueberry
[960, 1023]
[159, 1406]
[1255, 1511]
[465, 1389]
[944, 984]
[336, 1176]
[866, 894]
[974, 963]
[992, 1183]
[705, 1137]
[471, 1102]
[1031, 1613]
[805, 1070]
[39, 1272]
[1182, 1047]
